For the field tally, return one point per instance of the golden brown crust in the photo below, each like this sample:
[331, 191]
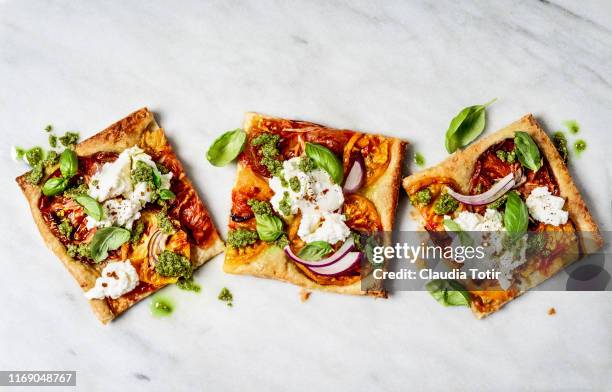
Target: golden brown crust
[460, 166]
[272, 262]
[116, 138]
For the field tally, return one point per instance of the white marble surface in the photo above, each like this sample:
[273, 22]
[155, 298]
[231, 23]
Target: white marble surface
[400, 68]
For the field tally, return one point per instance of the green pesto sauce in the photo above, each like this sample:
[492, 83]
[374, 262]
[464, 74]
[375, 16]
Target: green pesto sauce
[69, 139]
[445, 204]
[294, 184]
[306, 164]
[161, 306]
[164, 223]
[226, 296]
[285, 204]
[188, 284]
[268, 148]
[419, 159]
[260, 207]
[53, 141]
[142, 173]
[572, 126]
[173, 264]
[580, 146]
[241, 237]
[560, 142]
[422, 197]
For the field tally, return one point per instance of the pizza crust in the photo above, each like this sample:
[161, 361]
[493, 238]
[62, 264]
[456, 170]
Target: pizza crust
[274, 264]
[121, 135]
[460, 166]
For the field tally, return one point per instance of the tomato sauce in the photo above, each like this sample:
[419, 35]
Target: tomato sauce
[489, 168]
[187, 208]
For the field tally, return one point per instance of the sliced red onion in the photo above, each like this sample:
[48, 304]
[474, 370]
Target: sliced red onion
[356, 175]
[157, 244]
[343, 250]
[344, 264]
[495, 192]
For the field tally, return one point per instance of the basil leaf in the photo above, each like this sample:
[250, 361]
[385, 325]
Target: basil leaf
[527, 151]
[448, 292]
[464, 238]
[457, 295]
[69, 163]
[91, 206]
[269, 227]
[326, 160]
[516, 215]
[54, 186]
[105, 239]
[156, 178]
[466, 126]
[315, 251]
[166, 194]
[226, 147]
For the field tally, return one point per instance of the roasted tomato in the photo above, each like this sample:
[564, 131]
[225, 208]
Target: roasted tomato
[296, 244]
[244, 255]
[144, 253]
[436, 186]
[251, 157]
[348, 277]
[334, 139]
[249, 186]
[90, 164]
[489, 168]
[57, 208]
[361, 214]
[375, 152]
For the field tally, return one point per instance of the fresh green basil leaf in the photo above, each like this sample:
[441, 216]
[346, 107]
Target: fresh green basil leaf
[69, 163]
[448, 292]
[269, 227]
[226, 147]
[91, 206]
[464, 238]
[54, 186]
[326, 160]
[166, 194]
[527, 151]
[315, 251]
[466, 126]
[457, 295]
[156, 178]
[105, 239]
[516, 215]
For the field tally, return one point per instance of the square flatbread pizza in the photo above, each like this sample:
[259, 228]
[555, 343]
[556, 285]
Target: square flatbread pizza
[305, 198]
[518, 165]
[122, 216]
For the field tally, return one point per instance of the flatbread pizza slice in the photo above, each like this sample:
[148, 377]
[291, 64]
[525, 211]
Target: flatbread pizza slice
[520, 173]
[122, 215]
[304, 199]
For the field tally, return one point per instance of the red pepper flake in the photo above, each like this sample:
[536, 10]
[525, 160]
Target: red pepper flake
[112, 274]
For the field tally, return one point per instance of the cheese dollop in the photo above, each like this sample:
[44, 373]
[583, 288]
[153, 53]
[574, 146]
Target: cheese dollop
[121, 199]
[318, 199]
[546, 208]
[471, 221]
[499, 256]
[116, 279]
